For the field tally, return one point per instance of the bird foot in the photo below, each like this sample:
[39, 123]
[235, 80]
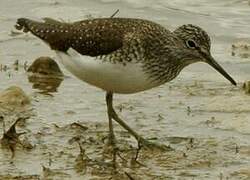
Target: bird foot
[111, 140]
[112, 149]
[144, 143]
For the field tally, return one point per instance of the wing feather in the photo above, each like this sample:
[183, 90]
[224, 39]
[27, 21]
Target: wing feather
[87, 37]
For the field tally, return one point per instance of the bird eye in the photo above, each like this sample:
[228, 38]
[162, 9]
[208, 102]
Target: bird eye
[191, 43]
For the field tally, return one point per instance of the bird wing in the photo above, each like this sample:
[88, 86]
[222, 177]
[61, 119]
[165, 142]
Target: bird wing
[88, 37]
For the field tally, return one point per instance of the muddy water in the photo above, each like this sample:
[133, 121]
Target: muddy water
[199, 114]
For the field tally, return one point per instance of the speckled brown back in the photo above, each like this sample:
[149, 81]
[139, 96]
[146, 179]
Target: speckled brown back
[91, 37]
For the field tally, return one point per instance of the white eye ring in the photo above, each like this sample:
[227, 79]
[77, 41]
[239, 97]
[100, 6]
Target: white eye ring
[191, 44]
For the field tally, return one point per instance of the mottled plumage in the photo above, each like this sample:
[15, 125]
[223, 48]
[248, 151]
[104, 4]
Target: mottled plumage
[122, 55]
[118, 40]
[121, 40]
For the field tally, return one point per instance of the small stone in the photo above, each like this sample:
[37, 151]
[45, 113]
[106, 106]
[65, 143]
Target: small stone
[14, 96]
[45, 66]
[241, 49]
[246, 87]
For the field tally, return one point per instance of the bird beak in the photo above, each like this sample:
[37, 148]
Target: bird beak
[211, 61]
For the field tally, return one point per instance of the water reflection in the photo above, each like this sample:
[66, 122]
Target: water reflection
[45, 83]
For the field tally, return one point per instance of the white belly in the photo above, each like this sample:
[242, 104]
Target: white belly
[116, 78]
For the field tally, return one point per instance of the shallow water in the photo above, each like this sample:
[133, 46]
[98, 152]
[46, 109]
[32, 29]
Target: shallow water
[199, 104]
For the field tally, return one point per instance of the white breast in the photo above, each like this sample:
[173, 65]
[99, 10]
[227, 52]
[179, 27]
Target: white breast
[105, 75]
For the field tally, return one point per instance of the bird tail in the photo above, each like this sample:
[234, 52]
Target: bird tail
[51, 31]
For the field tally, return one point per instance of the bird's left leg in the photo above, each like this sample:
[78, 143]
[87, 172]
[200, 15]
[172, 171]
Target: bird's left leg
[141, 141]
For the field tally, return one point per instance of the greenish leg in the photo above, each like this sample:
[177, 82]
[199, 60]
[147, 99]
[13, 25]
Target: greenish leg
[113, 115]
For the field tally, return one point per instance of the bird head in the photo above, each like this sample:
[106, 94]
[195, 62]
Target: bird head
[197, 45]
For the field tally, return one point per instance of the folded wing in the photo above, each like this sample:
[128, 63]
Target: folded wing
[87, 37]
